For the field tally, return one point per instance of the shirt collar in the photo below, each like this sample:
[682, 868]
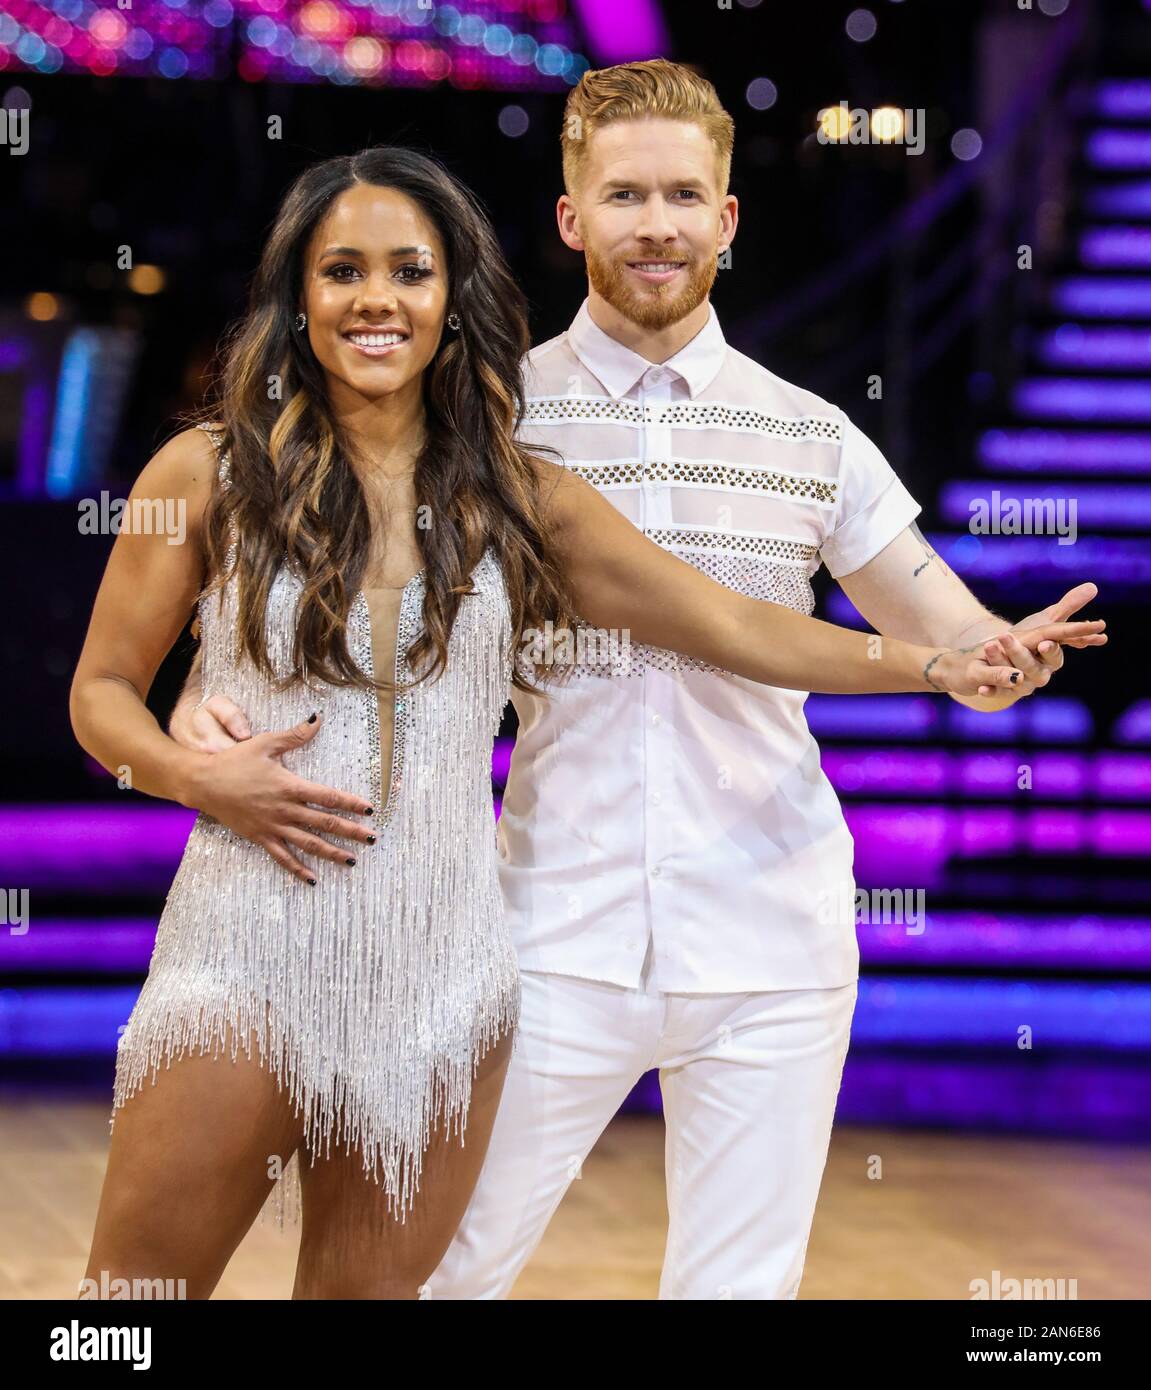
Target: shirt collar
[619, 368]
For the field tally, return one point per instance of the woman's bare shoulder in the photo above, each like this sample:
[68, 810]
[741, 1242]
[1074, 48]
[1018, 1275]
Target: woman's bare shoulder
[560, 489]
[184, 466]
[547, 472]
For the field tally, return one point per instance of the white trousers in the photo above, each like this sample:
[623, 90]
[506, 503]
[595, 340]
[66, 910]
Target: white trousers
[749, 1084]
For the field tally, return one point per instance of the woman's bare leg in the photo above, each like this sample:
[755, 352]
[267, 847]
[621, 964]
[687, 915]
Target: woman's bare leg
[352, 1246]
[188, 1169]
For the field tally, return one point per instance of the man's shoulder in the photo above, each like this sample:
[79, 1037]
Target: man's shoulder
[547, 367]
[750, 382]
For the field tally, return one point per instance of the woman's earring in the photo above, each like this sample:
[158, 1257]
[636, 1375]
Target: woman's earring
[301, 322]
[453, 320]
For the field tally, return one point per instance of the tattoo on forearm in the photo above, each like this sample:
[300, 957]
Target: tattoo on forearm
[963, 651]
[927, 551]
[927, 673]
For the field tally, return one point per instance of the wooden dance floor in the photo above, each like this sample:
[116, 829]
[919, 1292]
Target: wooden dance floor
[948, 1209]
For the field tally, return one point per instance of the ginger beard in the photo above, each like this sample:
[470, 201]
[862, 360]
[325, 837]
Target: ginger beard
[650, 306]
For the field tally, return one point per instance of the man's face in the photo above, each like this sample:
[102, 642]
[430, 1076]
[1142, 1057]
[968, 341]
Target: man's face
[650, 218]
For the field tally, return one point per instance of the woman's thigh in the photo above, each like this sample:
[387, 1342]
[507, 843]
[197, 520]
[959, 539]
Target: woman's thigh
[192, 1158]
[352, 1246]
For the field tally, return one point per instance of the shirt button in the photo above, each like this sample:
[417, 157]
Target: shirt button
[655, 871]
[656, 719]
[656, 798]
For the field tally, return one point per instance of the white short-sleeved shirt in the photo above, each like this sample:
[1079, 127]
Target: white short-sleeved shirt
[659, 797]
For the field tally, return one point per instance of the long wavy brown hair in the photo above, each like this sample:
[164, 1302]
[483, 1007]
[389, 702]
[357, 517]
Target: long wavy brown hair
[296, 499]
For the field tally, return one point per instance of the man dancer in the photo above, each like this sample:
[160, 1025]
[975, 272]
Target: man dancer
[676, 867]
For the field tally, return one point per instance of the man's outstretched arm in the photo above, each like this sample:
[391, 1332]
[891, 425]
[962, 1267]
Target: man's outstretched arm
[909, 591]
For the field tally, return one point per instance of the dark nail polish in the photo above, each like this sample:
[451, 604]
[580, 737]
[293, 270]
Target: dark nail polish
[312, 881]
[312, 718]
[350, 861]
[370, 811]
[371, 839]
[1015, 676]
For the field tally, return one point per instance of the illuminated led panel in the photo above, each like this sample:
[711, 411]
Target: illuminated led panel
[395, 43]
[150, 38]
[501, 44]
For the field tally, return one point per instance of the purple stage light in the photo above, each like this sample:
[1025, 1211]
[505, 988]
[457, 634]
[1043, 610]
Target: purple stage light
[889, 838]
[623, 33]
[995, 773]
[64, 1022]
[1100, 1099]
[1037, 561]
[1110, 297]
[1134, 725]
[1054, 719]
[879, 716]
[1123, 777]
[1113, 147]
[1098, 506]
[501, 760]
[888, 771]
[496, 44]
[114, 849]
[1010, 941]
[1073, 398]
[1123, 99]
[100, 945]
[151, 38]
[1096, 349]
[1129, 199]
[1116, 248]
[1035, 450]
[940, 1013]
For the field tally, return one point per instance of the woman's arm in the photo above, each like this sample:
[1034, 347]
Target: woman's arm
[146, 596]
[622, 580]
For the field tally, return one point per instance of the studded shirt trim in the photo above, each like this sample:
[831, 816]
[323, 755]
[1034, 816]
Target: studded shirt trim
[726, 476]
[570, 410]
[770, 568]
[732, 543]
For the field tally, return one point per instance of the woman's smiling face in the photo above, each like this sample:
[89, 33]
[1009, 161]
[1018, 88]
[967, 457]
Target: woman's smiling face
[375, 292]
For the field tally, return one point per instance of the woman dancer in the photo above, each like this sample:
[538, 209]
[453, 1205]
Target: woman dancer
[363, 522]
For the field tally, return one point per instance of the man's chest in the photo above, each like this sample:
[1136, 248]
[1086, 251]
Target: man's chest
[745, 494]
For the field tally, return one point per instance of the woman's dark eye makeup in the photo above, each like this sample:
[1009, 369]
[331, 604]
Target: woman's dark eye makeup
[421, 272]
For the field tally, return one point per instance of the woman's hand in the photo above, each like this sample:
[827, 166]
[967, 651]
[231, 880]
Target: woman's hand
[969, 670]
[246, 787]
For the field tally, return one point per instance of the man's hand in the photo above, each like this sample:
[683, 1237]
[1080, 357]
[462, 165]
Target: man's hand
[217, 724]
[1039, 666]
[960, 672]
[210, 727]
[246, 787]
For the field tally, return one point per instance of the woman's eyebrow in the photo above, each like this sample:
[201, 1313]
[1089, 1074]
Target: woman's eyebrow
[395, 251]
